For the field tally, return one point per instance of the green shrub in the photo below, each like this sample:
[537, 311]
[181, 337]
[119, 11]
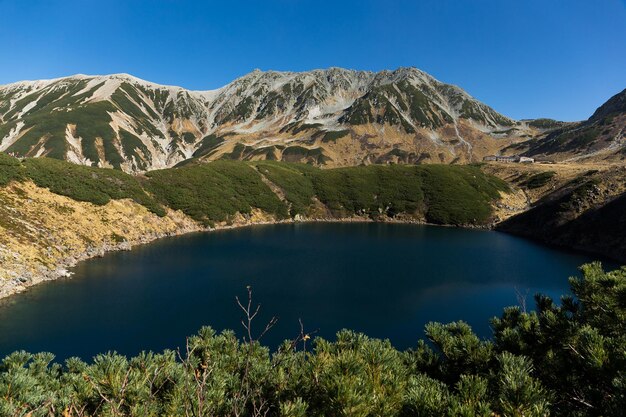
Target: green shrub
[297, 187]
[10, 169]
[215, 191]
[538, 180]
[333, 135]
[459, 194]
[82, 183]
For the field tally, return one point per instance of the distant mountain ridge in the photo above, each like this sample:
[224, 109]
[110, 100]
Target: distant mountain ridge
[601, 137]
[333, 117]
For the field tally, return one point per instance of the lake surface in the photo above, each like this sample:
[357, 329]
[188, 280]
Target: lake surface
[386, 280]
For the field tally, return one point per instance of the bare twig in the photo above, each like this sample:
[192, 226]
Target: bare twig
[521, 298]
[302, 337]
[247, 391]
[246, 322]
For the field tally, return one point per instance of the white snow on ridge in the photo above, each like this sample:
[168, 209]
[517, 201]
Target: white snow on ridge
[32, 85]
[208, 95]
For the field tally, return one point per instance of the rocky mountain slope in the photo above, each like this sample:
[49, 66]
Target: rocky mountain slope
[331, 117]
[600, 138]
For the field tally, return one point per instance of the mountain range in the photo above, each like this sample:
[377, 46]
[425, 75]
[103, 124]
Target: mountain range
[333, 117]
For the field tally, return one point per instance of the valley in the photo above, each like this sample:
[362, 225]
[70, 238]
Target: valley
[409, 209]
[92, 165]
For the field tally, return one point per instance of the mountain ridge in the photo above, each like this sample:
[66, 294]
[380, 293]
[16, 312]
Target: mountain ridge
[600, 137]
[326, 117]
[249, 74]
[121, 121]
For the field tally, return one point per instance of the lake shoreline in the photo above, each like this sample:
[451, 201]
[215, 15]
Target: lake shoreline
[319, 271]
[62, 268]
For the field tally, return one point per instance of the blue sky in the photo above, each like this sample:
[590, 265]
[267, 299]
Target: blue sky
[526, 58]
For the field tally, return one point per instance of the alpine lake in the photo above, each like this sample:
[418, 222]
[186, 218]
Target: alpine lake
[385, 280]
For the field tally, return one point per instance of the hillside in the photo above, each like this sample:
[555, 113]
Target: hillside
[600, 138]
[575, 209]
[331, 117]
[54, 213]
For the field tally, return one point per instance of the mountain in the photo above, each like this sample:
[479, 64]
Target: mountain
[333, 117]
[600, 138]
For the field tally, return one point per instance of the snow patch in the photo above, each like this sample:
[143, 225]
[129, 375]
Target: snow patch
[90, 85]
[75, 149]
[12, 137]
[105, 91]
[40, 152]
[27, 108]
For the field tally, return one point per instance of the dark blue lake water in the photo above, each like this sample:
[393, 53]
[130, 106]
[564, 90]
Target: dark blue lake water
[387, 280]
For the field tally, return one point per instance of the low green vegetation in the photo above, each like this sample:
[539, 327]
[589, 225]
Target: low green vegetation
[10, 169]
[441, 194]
[570, 137]
[297, 187]
[242, 111]
[459, 195]
[306, 126]
[371, 190]
[208, 144]
[299, 153]
[562, 359]
[334, 135]
[216, 191]
[544, 123]
[82, 183]
[538, 180]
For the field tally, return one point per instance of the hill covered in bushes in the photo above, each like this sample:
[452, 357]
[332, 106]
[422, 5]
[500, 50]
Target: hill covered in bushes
[217, 191]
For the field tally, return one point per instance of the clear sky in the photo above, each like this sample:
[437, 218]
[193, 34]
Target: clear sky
[526, 58]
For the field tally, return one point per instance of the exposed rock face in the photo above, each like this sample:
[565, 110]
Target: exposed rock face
[332, 117]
